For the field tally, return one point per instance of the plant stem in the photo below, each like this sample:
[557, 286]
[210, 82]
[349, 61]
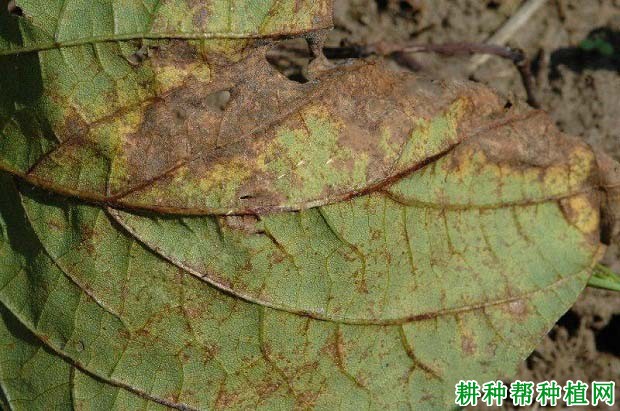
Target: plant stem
[603, 277]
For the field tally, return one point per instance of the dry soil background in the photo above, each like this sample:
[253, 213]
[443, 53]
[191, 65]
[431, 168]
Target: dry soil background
[579, 89]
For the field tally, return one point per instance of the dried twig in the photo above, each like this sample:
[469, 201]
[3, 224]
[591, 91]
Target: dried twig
[509, 28]
[402, 54]
[518, 57]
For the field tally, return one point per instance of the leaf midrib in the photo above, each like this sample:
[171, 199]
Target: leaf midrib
[159, 36]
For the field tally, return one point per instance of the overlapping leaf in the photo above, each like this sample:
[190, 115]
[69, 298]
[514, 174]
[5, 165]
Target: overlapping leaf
[360, 241]
[482, 214]
[111, 306]
[35, 379]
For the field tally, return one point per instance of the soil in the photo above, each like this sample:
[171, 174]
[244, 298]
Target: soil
[579, 88]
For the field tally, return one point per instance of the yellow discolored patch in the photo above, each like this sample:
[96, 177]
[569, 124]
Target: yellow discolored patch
[467, 160]
[582, 162]
[389, 148]
[531, 178]
[225, 178]
[113, 137]
[555, 179]
[168, 77]
[234, 50]
[315, 157]
[431, 136]
[581, 213]
[202, 72]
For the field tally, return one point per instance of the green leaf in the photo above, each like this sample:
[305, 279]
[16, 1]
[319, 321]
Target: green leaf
[58, 23]
[599, 45]
[31, 377]
[389, 256]
[116, 310]
[91, 394]
[603, 277]
[360, 241]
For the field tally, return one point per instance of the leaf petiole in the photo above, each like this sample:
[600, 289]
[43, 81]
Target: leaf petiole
[603, 277]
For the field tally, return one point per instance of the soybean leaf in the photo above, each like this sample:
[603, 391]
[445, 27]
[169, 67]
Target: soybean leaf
[118, 311]
[363, 240]
[147, 124]
[33, 378]
[41, 25]
[502, 220]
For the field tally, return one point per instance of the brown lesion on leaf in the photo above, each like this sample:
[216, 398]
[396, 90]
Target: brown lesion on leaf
[526, 140]
[72, 132]
[139, 56]
[247, 224]
[319, 64]
[209, 352]
[518, 310]
[336, 350]
[197, 126]
[196, 123]
[201, 16]
[361, 285]
[225, 399]
[189, 129]
[468, 344]
[266, 352]
[267, 388]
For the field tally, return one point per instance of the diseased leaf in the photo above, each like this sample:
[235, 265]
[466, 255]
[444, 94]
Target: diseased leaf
[237, 240]
[159, 326]
[502, 213]
[160, 135]
[80, 113]
[61, 23]
[32, 378]
[277, 144]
